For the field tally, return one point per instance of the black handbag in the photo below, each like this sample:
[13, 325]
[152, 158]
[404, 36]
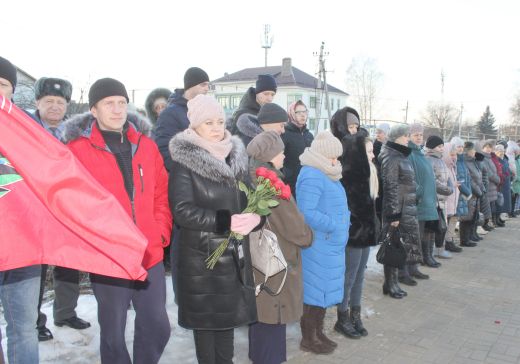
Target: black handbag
[442, 228]
[392, 251]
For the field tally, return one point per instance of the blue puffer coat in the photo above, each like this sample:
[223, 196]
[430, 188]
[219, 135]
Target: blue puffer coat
[323, 203]
[465, 186]
[426, 191]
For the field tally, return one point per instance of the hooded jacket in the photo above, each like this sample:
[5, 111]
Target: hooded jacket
[247, 127]
[248, 105]
[172, 120]
[203, 195]
[149, 205]
[151, 98]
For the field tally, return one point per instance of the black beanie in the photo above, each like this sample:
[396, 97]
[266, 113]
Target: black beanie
[8, 71]
[265, 83]
[105, 87]
[194, 76]
[272, 113]
[52, 87]
[433, 141]
[468, 146]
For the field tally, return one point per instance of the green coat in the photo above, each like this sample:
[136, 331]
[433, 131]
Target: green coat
[425, 190]
[516, 182]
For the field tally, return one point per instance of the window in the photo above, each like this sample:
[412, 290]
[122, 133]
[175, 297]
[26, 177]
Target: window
[292, 98]
[224, 101]
[311, 124]
[339, 104]
[312, 102]
[235, 101]
[332, 104]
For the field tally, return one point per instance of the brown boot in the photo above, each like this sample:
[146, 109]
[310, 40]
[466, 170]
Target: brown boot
[320, 314]
[310, 341]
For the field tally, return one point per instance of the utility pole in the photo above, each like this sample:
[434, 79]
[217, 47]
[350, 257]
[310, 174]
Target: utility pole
[322, 85]
[460, 118]
[267, 41]
[406, 113]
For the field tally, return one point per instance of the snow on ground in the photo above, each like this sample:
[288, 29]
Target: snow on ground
[82, 347]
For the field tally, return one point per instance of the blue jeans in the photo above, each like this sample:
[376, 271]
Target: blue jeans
[19, 290]
[356, 262]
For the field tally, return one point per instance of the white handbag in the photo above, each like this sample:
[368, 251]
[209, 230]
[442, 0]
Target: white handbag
[267, 257]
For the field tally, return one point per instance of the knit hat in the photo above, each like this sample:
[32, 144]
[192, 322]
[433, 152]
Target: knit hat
[457, 142]
[397, 131]
[8, 71]
[265, 83]
[503, 143]
[433, 141]
[499, 148]
[105, 87]
[384, 127]
[416, 128]
[265, 146]
[47, 86]
[202, 108]
[272, 113]
[489, 142]
[327, 145]
[194, 76]
[469, 146]
[352, 119]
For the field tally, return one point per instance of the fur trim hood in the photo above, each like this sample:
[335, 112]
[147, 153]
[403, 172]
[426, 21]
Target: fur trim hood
[247, 124]
[201, 162]
[81, 124]
[154, 95]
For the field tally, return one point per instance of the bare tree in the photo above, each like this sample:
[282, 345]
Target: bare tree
[514, 110]
[441, 115]
[24, 95]
[364, 78]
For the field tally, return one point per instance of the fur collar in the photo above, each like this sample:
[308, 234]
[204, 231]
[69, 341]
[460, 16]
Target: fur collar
[81, 124]
[399, 148]
[248, 125]
[354, 159]
[201, 162]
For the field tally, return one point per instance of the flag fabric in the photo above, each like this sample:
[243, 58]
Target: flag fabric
[52, 211]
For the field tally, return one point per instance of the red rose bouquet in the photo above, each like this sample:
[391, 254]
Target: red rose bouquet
[259, 201]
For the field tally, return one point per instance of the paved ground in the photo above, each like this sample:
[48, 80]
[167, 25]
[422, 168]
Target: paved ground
[468, 312]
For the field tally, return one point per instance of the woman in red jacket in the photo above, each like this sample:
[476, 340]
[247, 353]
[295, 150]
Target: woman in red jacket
[127, 163]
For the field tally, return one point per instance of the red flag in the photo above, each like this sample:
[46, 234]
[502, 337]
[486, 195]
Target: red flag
[52, 211]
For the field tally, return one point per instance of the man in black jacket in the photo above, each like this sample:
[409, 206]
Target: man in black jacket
[174, 118]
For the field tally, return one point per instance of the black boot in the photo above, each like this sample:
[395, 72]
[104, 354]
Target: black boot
[497, 221]
[355, 317]
[413, 269]
[487, 227]
[451, 247]
[345, 326]
[388, 287]
[405, 278]
[427, 249]
[464, 230]
[395, 282]
[474, 235]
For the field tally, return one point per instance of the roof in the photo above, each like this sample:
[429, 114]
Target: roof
[298, 77]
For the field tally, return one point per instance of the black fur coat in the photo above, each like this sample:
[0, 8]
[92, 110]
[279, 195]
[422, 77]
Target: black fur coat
[364, 226]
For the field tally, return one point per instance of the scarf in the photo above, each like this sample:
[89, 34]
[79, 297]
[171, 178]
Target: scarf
[316, 160]
[374, 181]
[219, 150]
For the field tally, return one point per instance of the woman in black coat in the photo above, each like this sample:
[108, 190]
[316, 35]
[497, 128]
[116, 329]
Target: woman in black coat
[206, 204]
[399, 201]
[359, 178]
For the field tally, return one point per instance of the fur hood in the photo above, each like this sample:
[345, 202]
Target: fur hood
[201, 162]
[248, 125]
[81, 125]
[154, 95]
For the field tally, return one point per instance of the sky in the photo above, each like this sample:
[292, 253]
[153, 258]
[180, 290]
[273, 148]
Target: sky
[148, 44]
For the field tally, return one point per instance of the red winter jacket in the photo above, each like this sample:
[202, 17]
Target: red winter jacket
[149, 210]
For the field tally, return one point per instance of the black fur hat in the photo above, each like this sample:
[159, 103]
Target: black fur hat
[47, 86]
[150, 100]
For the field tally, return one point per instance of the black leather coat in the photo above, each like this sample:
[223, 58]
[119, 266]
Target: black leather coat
[203, 195]
[399, 198]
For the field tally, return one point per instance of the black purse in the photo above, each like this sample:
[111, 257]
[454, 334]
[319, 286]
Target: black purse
[442, 228]
[392, 251]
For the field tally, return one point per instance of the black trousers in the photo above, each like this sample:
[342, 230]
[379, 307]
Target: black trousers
[66, 294]
[152, 327]
[214, 347]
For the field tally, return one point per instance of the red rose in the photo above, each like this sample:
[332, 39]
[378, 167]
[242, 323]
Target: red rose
[271, 176]
[262, 172]
[286, 192]
[278, 185]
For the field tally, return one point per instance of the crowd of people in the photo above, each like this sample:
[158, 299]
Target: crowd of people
[177, 173]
